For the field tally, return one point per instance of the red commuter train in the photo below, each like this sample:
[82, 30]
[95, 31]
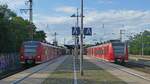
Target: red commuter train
[37, 52]
[112, 51]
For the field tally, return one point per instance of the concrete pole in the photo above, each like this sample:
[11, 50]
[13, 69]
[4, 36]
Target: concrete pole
[121, 33]
[31, 12]
[77, 17]
[142, 45]
[64, 41]
[77, 35]
[31, 17]
[81, 40]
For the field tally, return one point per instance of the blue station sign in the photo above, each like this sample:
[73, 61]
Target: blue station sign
[88, 31]
[75, 30]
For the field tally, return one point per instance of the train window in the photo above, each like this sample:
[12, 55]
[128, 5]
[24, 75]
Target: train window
[118, 44]
[97, 51]
[30, 48]
[100, 51]
[29, 51]
[118, 48]
[31, 43]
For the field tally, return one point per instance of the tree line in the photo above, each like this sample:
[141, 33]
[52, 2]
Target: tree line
[138, 41]
[14, 30]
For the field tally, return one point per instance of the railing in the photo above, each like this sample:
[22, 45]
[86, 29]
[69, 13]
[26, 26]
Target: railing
[9, 62]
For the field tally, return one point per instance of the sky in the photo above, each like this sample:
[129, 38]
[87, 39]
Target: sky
[133, 16]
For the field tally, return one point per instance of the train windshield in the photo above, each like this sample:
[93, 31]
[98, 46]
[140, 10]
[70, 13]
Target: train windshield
[119, 49]
[30, 48]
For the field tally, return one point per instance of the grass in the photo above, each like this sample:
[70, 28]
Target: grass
[92, 74]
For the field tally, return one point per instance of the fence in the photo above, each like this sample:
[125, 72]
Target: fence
[9, 62]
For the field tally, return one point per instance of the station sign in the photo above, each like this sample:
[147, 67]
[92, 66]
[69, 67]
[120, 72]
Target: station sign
[88, 31]
[75, 30]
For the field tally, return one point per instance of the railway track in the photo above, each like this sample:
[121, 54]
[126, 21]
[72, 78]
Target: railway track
[138, 66]
[26, 76]
[22, 68]
[35, 71]
[126, 71]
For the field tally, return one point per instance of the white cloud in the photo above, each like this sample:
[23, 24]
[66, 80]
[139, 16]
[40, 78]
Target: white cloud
[66, 9]
[13, 4]
[133, 21]
[113, 15]
[105, 1]
[53, 20]
[56, 20]
[62, 25]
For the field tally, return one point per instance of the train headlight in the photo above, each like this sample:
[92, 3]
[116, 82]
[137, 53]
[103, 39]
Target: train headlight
[38, 56]
[22, 57]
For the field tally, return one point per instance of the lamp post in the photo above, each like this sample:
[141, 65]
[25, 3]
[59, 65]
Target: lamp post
[81, 39]
[74, 15]
[76, 36]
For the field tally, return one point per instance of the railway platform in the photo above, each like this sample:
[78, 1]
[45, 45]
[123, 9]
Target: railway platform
[65, 70]
[68, 73]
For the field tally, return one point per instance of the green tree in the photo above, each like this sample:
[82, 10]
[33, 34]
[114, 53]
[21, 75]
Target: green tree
[136, 43]
[40, 36]
[6, 42]
[15, 30]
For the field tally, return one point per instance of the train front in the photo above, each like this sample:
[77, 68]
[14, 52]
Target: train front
[120, 52]
[29, 52]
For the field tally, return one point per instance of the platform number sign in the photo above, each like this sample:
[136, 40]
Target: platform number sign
[88, 31]
[75, 30]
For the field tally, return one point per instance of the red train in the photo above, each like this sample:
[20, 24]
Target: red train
[112, 51]
[37, 52]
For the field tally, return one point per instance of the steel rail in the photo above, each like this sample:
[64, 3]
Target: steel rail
[23, 78]
[131, 73]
